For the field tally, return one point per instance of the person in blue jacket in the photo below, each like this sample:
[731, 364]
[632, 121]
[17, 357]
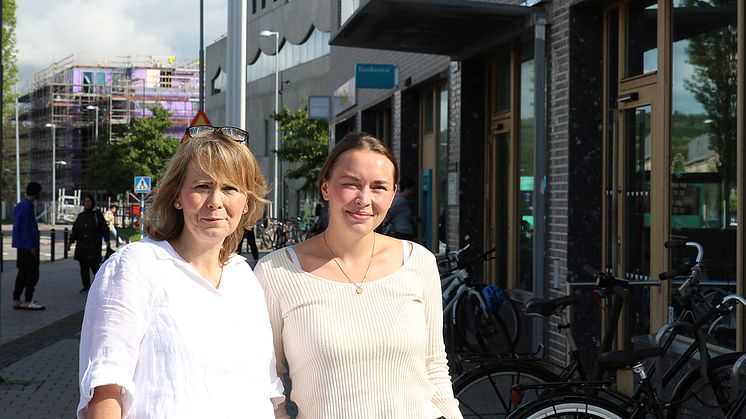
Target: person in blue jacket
[26, 242]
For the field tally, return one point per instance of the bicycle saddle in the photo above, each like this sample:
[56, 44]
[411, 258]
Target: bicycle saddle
[542, 307]
[617, 360]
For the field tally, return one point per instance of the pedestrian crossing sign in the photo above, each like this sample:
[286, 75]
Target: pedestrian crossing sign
[142, 184]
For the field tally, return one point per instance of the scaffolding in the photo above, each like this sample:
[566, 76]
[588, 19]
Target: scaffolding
[74, 96]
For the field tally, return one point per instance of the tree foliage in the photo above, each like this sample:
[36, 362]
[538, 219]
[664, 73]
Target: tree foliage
[144, 151]
[10, 69]
[305, 143]
[715, 85]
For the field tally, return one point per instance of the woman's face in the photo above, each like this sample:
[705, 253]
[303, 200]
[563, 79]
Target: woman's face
[87, 203]
[360, 189]
[212, 211]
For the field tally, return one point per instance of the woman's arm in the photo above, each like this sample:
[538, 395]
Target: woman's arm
[436, 360]
[106, 402]
[116, 318]
[275, 317]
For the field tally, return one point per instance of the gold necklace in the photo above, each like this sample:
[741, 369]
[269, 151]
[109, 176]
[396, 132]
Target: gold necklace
[358, 288]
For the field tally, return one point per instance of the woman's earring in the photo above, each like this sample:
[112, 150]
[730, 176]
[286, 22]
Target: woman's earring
[177, 205]
[245, 209]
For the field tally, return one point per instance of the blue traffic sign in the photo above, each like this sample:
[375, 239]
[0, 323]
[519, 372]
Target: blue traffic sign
[375, 76]
[142, 184]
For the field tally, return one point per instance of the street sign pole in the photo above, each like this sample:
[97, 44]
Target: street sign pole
[142, 186]
[142, 216]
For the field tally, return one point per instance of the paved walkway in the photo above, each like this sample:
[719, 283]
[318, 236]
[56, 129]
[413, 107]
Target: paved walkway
[39, 349]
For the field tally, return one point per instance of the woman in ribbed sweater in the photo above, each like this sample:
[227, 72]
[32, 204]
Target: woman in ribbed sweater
[356, 315]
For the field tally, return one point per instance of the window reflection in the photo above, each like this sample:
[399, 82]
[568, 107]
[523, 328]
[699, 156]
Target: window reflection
[703, 138]
[526, 172]
[291, 55]
[641, 53]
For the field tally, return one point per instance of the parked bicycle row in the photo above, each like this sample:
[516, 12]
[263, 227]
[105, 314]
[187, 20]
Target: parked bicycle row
[493, 380]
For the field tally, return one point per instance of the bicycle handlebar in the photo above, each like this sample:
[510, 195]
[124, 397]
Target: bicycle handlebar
[673, 273]
[476, 259]
[678, 244]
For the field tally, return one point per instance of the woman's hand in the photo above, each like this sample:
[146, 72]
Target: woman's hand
[106, 402]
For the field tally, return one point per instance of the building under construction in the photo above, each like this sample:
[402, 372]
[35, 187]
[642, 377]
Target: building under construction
[83, 101]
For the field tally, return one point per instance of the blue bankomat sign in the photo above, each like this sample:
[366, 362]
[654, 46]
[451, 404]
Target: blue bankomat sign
[375, 76]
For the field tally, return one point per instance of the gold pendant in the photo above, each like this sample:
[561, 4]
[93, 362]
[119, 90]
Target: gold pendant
[359, 290]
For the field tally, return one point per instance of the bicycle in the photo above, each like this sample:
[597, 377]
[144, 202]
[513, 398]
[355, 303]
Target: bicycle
[484, 318]
[596, 399]
[485, 392]
[706, 385]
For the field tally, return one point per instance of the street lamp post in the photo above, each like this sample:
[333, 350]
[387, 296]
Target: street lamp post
[54, 172]
[95, 132]
[275, 203]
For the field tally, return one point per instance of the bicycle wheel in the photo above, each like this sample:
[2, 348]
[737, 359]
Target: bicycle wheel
[480, 330]
[485, 391]
[570, 406]
[694, 398]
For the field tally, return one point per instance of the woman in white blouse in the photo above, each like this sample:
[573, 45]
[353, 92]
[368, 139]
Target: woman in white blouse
[176, 324]
[356, 315]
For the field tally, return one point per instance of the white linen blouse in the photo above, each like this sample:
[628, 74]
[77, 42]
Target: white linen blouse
[178, 346]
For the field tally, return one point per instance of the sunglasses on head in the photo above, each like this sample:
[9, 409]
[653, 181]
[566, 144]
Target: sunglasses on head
[235, 134]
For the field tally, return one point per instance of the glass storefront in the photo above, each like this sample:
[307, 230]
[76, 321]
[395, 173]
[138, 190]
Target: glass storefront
[526, 171]
[703, 141]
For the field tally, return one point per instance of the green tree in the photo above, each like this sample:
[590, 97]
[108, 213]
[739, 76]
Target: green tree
[144, 151]
[714, 83]
[10, 69]
[305, 143]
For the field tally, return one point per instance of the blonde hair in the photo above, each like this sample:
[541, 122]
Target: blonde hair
[225, 161]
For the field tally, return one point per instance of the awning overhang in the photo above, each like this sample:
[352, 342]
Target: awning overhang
[455, 28]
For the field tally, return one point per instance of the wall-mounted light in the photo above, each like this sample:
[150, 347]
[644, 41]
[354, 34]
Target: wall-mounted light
[627, 97]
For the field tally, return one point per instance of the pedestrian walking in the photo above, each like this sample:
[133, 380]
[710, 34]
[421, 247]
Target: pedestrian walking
[176, 325]
[88, 230]
[356, 315]
[399, 219]
[250, 238]
[111, 221]
[26, 242]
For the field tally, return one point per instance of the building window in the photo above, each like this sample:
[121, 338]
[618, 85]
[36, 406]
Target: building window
[641, 51]
[218, 82]
[166, 78]
[526, 170]
[88, 82]
[346, 9]
[291, 55]
[267, 149]
[704, 141]
[253, 7]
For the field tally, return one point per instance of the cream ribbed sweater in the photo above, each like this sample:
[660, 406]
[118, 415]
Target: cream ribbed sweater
[379, 354]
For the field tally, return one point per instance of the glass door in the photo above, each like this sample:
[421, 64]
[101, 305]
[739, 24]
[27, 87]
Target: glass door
[635, 165]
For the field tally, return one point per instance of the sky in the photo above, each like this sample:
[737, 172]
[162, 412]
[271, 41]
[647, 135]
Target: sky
[50, 30]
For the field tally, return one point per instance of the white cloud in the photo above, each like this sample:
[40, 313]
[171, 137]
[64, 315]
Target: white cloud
[48, 31]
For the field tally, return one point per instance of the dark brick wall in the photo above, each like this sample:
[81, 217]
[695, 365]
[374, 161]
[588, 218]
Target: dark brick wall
[584, 162]
[453, 238]
[471, 151]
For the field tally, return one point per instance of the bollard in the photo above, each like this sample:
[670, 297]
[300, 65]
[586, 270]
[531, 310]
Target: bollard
[51, 239]
[65, 238]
